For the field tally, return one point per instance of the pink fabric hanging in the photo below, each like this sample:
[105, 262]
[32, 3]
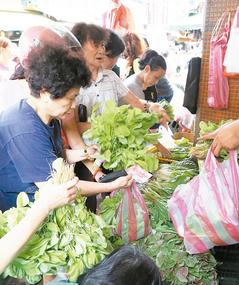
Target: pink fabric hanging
[218, 88]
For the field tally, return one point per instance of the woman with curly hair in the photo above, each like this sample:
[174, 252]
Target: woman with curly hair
[30, 137]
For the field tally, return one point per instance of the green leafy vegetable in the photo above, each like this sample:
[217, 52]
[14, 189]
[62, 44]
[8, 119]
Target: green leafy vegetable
[71, 238]
[168, 108]
[122, 134]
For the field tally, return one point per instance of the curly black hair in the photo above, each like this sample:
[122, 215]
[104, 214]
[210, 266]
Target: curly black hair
[55, 70]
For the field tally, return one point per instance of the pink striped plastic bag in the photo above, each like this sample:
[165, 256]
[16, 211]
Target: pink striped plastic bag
[132, 216]
[205, 210]
[218, 88]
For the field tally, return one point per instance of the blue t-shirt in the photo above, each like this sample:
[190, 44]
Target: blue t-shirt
[27, 148]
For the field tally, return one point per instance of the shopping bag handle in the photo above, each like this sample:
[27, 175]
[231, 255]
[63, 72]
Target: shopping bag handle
[225, 18]
[211, 161]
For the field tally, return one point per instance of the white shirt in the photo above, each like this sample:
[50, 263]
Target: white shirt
[108, 86]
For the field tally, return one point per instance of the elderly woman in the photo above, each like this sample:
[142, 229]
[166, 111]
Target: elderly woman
[30, 137]
[105, 84]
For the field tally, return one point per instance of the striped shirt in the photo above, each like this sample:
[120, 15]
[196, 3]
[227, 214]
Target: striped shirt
[108, 86]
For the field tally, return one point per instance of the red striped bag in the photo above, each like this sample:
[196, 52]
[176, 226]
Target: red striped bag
[205, 210]
[132, 216]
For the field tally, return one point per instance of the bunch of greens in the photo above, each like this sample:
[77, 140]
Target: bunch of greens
[168, 108]
[122, 134]
[209, 127]
[201, 149]
[71, 238]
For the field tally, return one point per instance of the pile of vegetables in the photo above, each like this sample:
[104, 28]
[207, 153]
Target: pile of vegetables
[168, 108]
[71, 239]
[122, 134]
[182, 149]
[163, 245]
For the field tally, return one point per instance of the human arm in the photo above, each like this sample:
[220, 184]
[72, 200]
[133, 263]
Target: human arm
[75, 141]
[48, 200]
[226, 137]
[92, 188]
[87, 153]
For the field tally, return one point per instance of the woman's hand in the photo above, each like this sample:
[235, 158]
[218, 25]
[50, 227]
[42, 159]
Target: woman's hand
[92, 151]
[226, 137]
[162, 114]
[121, 182]
[98, 174]
[54, 196]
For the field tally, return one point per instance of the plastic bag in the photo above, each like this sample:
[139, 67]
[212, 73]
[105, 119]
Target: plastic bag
[205, 210]
[218, 88]
[231, 60]
[132, 216]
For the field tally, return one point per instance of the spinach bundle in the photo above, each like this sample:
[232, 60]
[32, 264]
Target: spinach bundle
[71, 239]
[201, 149]
[168, 108]
[122, 134]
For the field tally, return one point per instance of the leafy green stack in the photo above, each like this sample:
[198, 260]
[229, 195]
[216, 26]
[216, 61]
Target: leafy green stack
[168, 108]
[122, 134]
[71, 239]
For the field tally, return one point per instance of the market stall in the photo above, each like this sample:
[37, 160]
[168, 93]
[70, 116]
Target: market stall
[73, 240]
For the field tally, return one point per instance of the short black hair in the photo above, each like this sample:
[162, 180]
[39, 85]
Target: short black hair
[114, 45]
[153, 59]
[55, 70]
[124, 266]
[89, 32]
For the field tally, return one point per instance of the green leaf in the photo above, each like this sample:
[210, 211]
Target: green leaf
[22, 200]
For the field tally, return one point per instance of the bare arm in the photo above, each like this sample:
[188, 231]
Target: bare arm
[49, 199]
[74, 138]
[92, 188]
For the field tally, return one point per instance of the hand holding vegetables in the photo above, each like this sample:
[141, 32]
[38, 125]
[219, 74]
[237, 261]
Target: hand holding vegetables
[87, 153]
[58, 196]
[51, 197]
[227, 136]
[161, 112]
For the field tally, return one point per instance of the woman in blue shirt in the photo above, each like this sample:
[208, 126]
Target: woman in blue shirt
[30, 137]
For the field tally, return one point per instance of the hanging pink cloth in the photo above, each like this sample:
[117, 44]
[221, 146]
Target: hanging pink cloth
[218, 88]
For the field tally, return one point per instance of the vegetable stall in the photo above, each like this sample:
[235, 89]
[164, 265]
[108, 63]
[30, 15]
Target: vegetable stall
[73, 239]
